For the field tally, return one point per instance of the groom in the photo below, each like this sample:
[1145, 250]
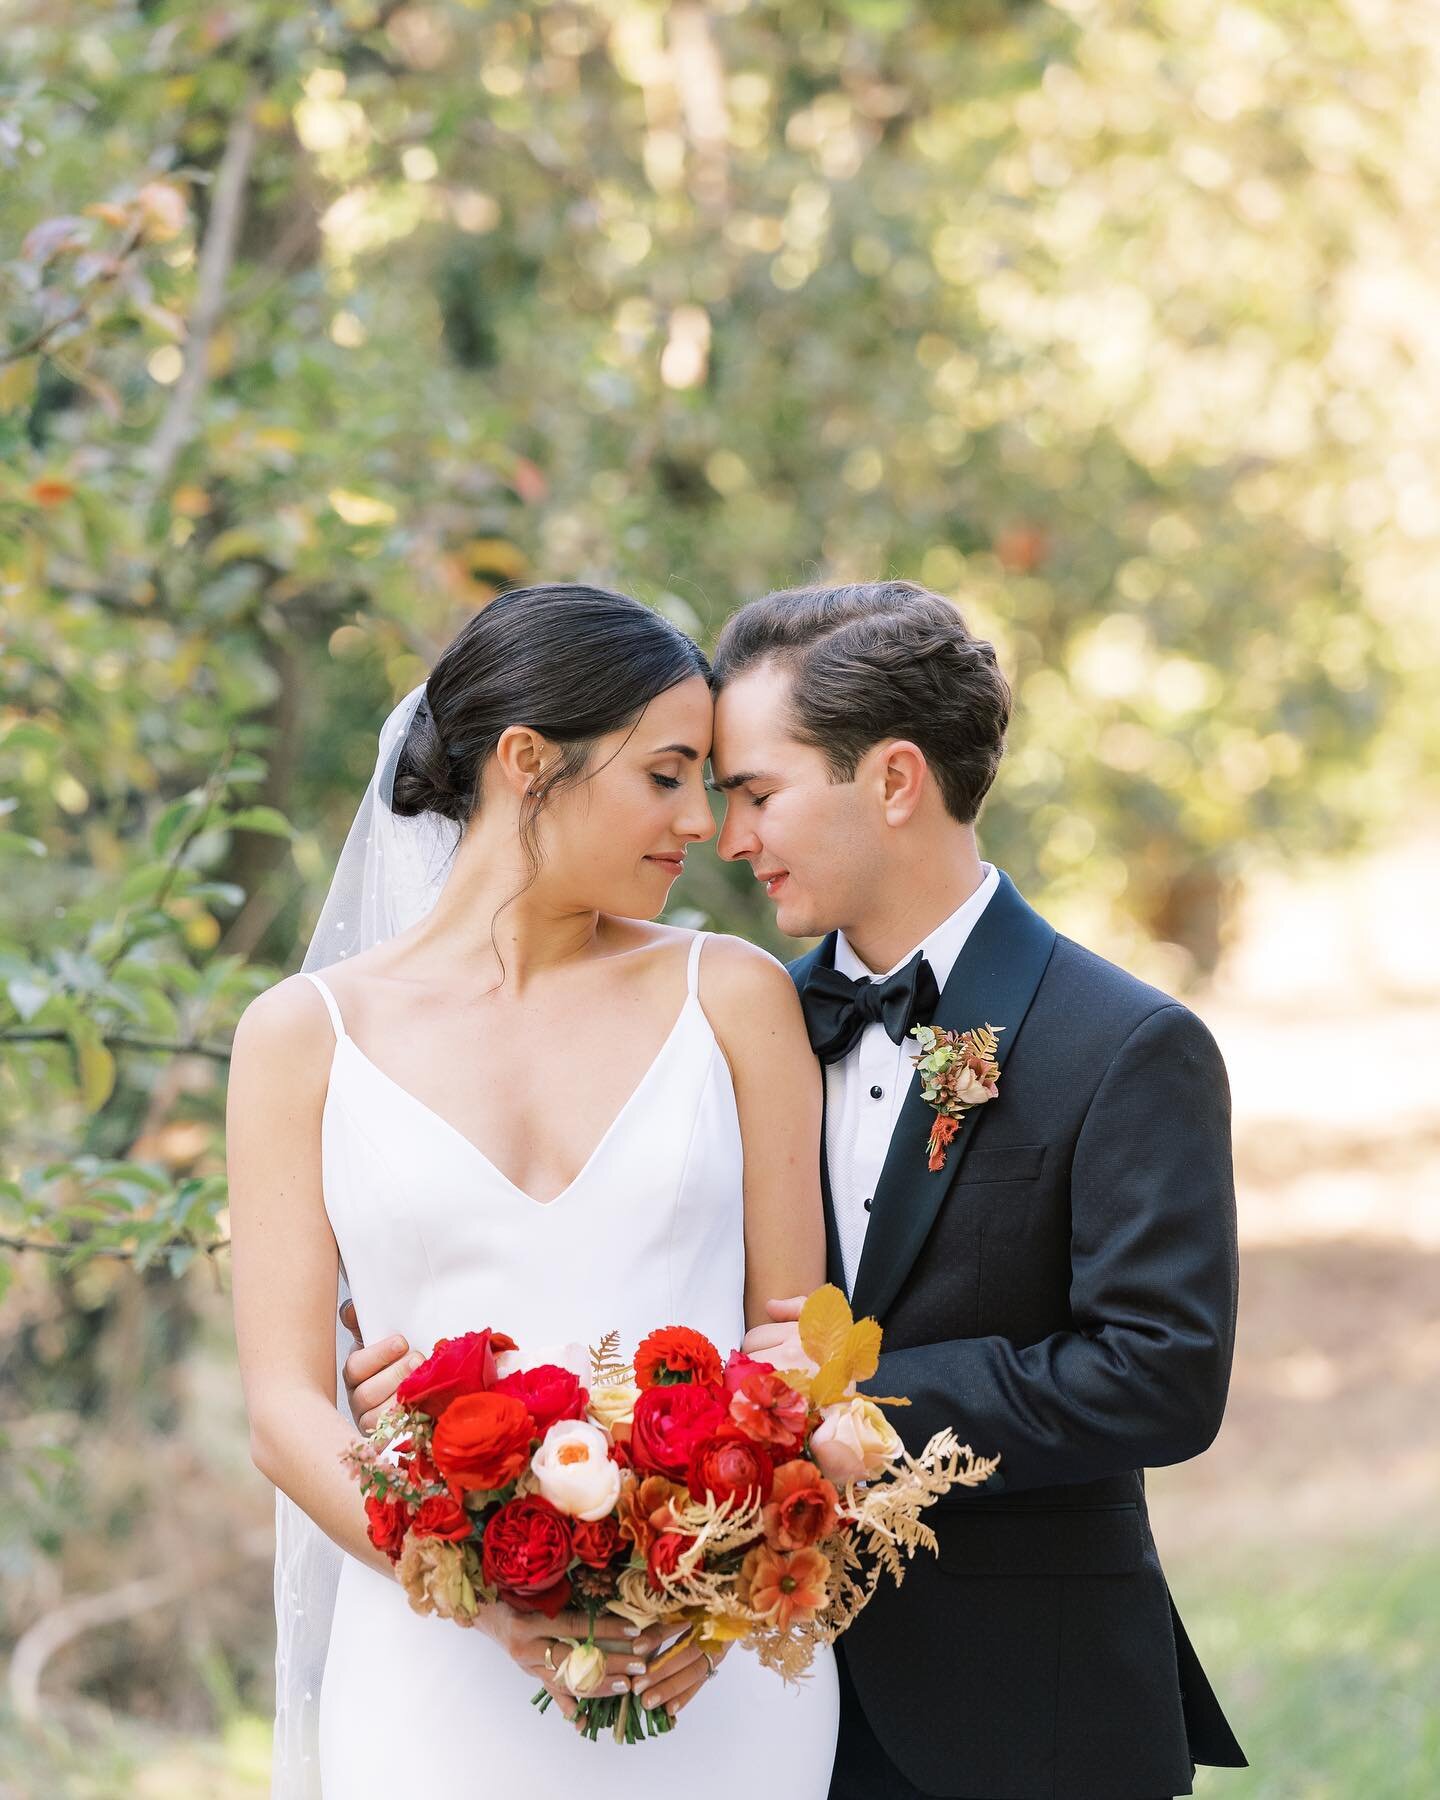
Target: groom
[1062, 1290]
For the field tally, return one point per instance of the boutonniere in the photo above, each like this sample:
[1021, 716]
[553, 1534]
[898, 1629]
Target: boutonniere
[958, 1070]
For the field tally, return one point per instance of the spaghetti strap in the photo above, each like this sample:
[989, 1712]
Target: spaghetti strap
[329, 999]
[692, 970]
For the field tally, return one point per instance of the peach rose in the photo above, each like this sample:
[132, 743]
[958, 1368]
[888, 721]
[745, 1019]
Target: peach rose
[574, 1471]
[854, 1440]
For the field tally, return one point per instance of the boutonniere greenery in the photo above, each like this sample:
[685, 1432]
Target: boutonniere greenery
[958, 1070]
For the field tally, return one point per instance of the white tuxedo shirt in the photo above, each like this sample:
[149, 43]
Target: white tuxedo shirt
[865, 1088]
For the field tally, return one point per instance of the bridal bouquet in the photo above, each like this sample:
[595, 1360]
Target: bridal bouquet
[742, 1503]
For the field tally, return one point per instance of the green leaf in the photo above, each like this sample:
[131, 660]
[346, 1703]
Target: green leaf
[260, 818]
[17, 383]
[173, 821]
[95, 1065]
[13, 844]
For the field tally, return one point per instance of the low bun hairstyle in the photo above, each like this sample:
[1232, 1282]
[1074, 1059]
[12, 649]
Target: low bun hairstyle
[572, 662]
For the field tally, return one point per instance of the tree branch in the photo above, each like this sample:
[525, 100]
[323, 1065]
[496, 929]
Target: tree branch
[217, 253]
[116, 1252]
[124, 1040]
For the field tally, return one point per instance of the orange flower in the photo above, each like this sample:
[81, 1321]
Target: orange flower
[51, 490]
[676, 1350]
[784, 1588]
[643, 1509]
[769, 1410]
[941, 1134]
[802, 1507]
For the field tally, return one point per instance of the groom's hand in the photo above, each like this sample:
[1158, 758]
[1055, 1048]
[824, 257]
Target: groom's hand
[373, 1371]
[779, 1343]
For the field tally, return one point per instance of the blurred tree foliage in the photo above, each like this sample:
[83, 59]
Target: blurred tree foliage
[1116, 321]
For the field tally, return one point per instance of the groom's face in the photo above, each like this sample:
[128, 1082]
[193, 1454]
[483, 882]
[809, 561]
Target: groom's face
[808, 838]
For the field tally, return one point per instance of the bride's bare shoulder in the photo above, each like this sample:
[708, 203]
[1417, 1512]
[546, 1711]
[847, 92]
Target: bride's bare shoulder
[739, 977]
[286, 1031]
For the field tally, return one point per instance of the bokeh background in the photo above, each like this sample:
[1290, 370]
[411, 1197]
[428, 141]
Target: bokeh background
[1117, 322]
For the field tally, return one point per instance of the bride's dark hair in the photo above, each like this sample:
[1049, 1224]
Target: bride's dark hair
[572, 662]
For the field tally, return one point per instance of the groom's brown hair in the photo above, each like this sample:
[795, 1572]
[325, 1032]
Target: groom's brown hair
[880, 659]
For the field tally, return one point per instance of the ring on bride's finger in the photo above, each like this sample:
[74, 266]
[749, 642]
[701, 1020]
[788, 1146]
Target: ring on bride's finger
[550, 1659]
[709, 1663]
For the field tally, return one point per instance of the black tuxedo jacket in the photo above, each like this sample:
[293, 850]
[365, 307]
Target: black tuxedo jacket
[1063, 1293]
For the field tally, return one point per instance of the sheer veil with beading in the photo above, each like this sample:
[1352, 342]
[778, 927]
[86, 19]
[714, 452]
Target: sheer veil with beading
[389, 875]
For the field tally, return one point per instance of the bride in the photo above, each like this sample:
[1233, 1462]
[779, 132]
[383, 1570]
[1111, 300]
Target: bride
[513, 1099]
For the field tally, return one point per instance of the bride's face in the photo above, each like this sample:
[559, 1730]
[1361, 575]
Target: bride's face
[616, 839]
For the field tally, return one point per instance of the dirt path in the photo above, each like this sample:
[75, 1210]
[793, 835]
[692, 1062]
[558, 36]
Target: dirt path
[1328, 1012]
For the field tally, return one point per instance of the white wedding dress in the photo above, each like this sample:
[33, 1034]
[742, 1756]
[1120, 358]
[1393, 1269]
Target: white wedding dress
[435, 1241]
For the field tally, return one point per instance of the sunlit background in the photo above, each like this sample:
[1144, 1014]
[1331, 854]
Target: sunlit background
[1119, 323]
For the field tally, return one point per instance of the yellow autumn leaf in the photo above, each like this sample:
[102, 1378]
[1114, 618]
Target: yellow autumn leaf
[825, 1320]
[830, 1383]
[722, 1631]
[862, 1349]
[361, 509]
[96, 1068]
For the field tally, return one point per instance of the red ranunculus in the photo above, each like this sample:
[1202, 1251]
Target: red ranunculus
[730, 1468]
[460, 1365]
[549, 1393]
[442, 1516]
[675, 1353]
[738, 1365]
[669, 1422]
[596, 1540]
[665, 1554]
[388, 1522]
[527, 1548]
[482, 1441]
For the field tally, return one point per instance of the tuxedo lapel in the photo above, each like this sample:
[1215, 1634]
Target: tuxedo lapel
[993, 982]
[824, 954]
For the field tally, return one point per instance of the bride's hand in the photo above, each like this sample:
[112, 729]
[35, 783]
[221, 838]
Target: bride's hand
[525, 1637]
[681, 1678]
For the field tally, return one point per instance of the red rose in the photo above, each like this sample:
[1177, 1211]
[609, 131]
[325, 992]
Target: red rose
[669, 1422]
[527, 1548]
[548, 1392]
[388, 1522]
[675, 1353]
[802, 1509]
[730, 1468]
[596, 1540]
[442, 1516]
[482, 1441]
[549, 1601]
[665, 1554]
[461, 1365]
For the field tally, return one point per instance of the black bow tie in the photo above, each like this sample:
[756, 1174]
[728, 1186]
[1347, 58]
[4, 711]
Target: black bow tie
[837, 1009]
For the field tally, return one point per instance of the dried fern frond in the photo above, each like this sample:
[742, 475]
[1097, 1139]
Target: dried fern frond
[606, 1364]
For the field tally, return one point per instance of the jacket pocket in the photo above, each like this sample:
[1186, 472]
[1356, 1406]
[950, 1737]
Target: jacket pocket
[1007, 1162]
[1082, 1540]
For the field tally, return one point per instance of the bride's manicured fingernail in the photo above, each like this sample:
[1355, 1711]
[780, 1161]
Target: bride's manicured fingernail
[632, 1631]
[619, 1687]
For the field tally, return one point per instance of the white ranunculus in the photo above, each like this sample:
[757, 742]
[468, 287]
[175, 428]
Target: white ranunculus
[573, 1469]
[854, 1440]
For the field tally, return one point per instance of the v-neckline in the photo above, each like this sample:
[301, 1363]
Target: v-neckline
[455, 1132]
